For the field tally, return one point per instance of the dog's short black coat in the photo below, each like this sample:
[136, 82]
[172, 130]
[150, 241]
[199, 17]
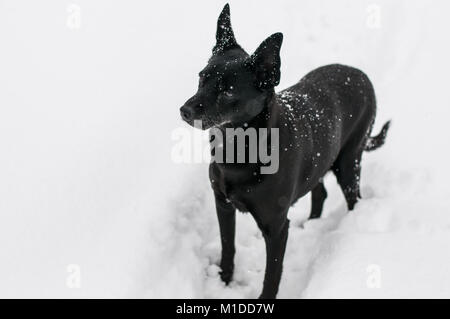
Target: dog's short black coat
[324, 124]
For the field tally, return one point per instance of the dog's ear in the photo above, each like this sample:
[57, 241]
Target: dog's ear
[224, 35]
[266, 63]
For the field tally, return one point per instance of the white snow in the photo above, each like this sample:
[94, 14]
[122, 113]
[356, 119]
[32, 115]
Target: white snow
[86, 176]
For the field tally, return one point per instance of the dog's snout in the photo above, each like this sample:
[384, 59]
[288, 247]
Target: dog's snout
[186, 113]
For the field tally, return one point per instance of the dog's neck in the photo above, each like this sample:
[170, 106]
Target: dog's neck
[270, 115]
[267, 118]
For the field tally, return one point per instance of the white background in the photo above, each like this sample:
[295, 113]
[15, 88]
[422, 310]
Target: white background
[87, 178]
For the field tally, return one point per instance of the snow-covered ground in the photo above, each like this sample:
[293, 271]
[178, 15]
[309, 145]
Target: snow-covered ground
[88, 185]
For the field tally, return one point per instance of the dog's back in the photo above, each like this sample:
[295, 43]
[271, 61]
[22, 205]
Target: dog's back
[327, 113]
[335, 99]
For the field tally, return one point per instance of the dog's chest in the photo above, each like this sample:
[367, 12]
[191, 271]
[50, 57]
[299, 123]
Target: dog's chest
[241, 197]
[238, 194]
[237, 187]
[247, 196]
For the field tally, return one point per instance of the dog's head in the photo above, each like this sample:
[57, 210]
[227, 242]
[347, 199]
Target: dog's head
[233, 86]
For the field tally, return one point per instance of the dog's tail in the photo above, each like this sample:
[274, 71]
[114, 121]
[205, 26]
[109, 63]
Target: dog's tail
[376, 142]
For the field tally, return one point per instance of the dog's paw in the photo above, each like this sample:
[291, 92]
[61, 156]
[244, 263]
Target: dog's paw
[226, 277]
[226, 274]
[266, 296]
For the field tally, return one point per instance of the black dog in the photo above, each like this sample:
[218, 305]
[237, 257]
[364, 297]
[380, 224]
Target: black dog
[324, 124]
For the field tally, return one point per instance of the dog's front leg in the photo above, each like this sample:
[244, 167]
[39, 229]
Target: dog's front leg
[226, 214]
[275, 237]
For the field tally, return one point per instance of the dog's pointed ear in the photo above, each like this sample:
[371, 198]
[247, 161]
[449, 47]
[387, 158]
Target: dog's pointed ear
[224, 35]
[266, 62]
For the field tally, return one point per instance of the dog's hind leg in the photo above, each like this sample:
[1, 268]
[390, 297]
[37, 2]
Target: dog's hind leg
[347, 169]
[318, 196]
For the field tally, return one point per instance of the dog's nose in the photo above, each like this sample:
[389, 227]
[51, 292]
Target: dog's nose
[186, 113]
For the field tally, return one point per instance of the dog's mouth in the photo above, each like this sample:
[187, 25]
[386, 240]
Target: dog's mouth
[204, 123]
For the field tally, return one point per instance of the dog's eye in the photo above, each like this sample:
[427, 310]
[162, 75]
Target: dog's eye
[228, 92]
